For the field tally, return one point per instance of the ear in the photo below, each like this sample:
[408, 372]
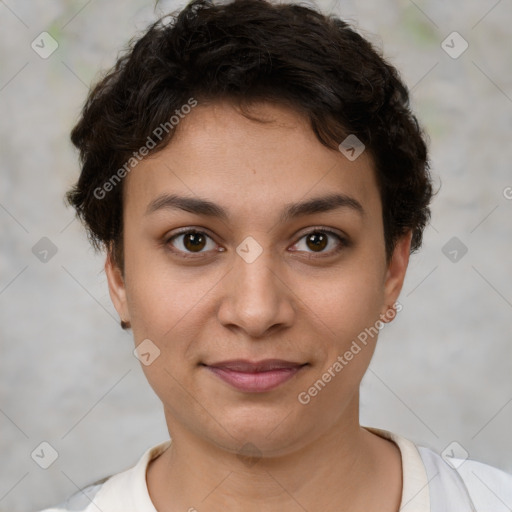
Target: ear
[116, 287]
[395, 274]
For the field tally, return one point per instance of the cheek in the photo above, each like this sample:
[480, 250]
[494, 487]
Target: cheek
[348, 310]
[347, 307]
[162, 296]
[163, 309]
[346, 303]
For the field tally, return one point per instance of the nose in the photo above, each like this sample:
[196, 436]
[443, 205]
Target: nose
[256, 297]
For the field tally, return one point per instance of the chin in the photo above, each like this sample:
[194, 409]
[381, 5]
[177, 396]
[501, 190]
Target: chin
[271, 432]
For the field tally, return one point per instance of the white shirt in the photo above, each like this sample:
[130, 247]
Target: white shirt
[429, 484]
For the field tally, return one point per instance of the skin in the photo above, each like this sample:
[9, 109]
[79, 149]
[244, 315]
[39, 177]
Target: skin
[294, 302]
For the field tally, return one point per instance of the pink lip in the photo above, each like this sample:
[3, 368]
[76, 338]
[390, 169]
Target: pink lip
[255, 377]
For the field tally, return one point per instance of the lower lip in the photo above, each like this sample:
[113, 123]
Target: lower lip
[257, 382]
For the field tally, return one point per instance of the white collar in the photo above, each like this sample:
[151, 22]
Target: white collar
[415, 488]
[128, 492]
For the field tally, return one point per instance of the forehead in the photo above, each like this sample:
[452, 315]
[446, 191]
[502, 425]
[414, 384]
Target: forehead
[252, 167]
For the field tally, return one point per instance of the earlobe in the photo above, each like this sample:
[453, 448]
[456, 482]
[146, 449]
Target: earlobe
[395, 274]
[117, 290]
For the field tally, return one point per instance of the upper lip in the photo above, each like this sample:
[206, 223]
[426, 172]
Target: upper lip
[265, 365]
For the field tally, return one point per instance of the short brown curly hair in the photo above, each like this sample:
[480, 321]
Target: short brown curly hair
[245, 51]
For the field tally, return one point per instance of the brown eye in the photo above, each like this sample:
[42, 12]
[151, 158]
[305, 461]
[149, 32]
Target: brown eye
[194, 241]
[317, 241]
[321, 241]
[190, 242]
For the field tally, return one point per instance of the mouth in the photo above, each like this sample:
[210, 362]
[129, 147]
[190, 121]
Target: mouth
[257, 376]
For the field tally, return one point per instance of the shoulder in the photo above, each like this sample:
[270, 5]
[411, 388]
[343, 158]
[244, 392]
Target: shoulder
[487, 487]
[450, 482]
[126, 491]
[79, 501]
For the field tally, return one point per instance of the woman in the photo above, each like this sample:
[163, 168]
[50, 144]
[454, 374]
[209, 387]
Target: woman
[258, 182]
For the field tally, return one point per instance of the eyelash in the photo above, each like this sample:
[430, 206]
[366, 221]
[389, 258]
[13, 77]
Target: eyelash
[342, 242]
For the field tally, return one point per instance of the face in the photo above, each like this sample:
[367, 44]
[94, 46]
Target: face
[245, 243]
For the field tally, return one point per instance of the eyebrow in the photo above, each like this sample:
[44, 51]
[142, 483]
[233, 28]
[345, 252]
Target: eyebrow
[207, 208]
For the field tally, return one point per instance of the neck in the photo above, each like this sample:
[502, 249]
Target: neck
[346, 469]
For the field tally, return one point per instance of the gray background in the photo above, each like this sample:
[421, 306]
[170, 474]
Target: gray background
[442, 370]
